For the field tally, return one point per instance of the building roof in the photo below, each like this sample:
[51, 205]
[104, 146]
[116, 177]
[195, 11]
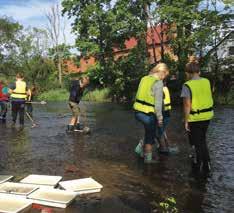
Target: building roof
[153, 37]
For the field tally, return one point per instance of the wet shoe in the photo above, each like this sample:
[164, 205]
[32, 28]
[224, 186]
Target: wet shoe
[78, 128]
[70, 128]
[139, 150]
[148, 159]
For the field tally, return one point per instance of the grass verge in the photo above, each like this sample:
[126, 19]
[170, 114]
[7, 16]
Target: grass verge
[97, 95]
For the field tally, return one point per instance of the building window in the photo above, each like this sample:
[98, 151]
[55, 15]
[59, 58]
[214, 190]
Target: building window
[231, 50]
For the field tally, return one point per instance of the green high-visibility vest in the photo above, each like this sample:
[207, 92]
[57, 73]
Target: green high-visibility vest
[202, 101]
[167, 99]
[20, 90]
[145, 100]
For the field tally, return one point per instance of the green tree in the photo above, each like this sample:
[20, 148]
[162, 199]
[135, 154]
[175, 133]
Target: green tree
[9, 31]
[192, 26]
[103, 26]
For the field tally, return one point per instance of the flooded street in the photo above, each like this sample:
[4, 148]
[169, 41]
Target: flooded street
[107, 155]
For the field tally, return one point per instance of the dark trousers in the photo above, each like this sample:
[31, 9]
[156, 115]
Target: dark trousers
[149, 122]
[30, 109]
[18, 108]
[197, 137]
[3, 111]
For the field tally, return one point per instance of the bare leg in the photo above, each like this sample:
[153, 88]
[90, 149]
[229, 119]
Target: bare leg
[73, 120]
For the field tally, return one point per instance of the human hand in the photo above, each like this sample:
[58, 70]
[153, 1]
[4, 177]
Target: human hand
[160, 123]
[186, 126]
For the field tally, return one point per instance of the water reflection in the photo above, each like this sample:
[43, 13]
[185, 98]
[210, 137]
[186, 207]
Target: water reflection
[107, 155]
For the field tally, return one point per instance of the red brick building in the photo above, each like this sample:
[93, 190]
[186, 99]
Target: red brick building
[157, 44]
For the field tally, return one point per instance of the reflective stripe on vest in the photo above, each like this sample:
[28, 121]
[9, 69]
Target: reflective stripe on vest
[167, 99]
[144, 99]
[202, 101]
[20, 90]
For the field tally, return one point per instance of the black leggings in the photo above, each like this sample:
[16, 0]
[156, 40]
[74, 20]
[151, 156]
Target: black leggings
[197, 137]
[18, 108]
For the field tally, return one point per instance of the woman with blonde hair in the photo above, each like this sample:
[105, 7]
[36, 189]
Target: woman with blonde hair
[148, 106]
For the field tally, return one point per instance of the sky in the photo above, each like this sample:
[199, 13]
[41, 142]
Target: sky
[32, 13]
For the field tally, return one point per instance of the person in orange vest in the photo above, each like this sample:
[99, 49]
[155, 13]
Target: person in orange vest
[198, 111]
[4, 99]
[19, 92]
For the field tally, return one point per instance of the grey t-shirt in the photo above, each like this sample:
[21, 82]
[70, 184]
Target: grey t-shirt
[157, 92]
[186, 93]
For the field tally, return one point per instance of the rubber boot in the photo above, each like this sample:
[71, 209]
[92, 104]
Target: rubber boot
[206, 168]
[70, 128]
[148, 158]
[140, 148]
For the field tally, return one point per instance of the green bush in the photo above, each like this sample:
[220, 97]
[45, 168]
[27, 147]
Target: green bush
[98, 95]
[54, 95]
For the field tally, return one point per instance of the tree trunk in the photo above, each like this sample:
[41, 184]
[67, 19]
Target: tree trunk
[60, 71]
[162, 41]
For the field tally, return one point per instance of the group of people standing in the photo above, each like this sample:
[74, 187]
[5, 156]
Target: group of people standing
[20, 96]
[152, 108]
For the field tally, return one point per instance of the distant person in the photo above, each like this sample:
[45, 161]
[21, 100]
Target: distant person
[148, 106]
[76, 93]
[19, 92]
[4, 99]
[198, 111]
[30, 98]
[166, 109]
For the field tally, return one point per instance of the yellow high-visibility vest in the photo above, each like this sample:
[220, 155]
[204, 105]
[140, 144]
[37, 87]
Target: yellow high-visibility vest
[167, 99]
[202, 101]
[20, 90]
[145, 100]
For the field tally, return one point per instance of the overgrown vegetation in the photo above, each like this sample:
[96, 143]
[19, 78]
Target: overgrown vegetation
[104, 26]
[192, 27]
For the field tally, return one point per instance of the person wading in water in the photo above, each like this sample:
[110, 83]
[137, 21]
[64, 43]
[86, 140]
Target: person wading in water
[76, 93]
[148, 106]
[19, 93]
[198, 111]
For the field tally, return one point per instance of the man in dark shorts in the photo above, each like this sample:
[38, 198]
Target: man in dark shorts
[76, 93]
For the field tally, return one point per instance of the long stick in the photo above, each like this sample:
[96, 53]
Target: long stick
[30, 118]
[36, 102]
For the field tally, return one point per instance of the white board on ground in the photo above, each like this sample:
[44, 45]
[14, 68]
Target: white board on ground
[17, 188]
[4, 178]
[81, 186]
[10, 204]
[52, 197]
[46, 180]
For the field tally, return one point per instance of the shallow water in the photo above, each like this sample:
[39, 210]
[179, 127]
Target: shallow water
[107, 155]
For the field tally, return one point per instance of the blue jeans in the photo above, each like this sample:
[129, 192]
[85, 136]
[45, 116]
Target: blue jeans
[149, 121]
